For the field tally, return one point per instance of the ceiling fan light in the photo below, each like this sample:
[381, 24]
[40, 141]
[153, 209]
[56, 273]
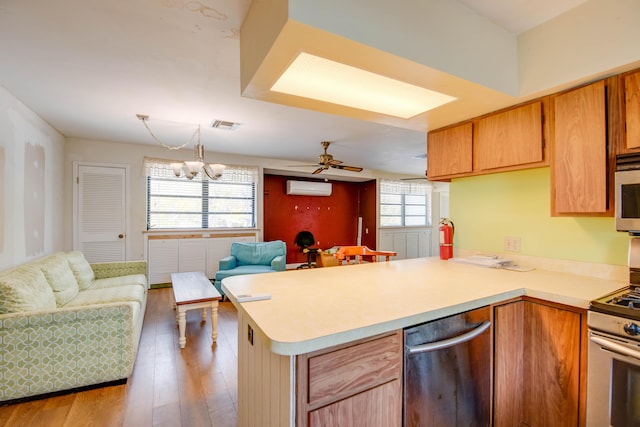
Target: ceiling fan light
[311, 76]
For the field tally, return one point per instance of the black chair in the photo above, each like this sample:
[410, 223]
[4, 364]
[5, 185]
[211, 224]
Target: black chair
[305, 241]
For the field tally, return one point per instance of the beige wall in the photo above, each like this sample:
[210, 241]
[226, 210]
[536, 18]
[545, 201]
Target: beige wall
[31, 184]
[599, 36]
[132, 155]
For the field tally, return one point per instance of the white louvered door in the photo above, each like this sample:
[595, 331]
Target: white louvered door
[101, 219]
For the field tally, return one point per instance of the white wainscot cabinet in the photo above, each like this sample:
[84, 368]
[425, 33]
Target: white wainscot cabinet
[173, 253]
[407, 242]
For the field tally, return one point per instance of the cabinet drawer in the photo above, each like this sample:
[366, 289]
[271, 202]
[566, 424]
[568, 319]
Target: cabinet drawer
[385, 401]
[353, 369]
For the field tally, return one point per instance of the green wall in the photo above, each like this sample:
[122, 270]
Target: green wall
[487, 208]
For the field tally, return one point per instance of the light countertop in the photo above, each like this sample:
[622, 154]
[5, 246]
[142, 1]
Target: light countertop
[312, 309]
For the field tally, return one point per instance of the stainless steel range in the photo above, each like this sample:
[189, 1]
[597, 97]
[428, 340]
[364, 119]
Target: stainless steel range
[613, 380]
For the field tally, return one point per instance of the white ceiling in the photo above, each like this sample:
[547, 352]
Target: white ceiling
[89, 66]
[518, 16]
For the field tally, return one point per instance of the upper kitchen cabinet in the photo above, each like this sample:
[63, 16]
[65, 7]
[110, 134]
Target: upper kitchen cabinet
[631, 83]
[511, 138]
[502, 141]
[450, 151]
[579, 164]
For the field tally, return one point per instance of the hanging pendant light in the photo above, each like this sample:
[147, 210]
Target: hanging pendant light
[190, 168]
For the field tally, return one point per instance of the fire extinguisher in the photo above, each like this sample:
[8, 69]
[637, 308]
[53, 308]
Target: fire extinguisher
[446, 238]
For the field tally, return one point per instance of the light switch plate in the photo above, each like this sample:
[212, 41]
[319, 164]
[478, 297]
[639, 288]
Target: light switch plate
[512, 244]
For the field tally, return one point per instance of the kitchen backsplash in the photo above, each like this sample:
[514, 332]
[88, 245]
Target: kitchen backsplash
[591, 269]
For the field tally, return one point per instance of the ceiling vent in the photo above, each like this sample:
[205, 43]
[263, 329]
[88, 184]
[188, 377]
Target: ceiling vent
[308, 188]
[223, 124]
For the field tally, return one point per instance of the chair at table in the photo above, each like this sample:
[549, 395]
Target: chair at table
[326, 260]
[360, 253]
[305, 241]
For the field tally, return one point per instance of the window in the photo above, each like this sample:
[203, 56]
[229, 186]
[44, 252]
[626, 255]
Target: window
[229, 202]
[405, 204]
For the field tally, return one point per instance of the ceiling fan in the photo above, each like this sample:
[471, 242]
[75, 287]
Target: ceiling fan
[326, 161]
[425, 177]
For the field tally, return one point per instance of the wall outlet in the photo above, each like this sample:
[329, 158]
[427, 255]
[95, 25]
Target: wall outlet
[512, 244]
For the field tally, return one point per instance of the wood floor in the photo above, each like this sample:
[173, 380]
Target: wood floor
[196, 386]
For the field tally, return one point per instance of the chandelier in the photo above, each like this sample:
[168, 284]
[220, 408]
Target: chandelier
[190, 168]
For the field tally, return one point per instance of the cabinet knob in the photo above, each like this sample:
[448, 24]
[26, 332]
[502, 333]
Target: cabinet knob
[120, 236]
[631, 329]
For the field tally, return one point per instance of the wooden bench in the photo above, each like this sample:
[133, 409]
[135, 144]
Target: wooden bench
[194, 290]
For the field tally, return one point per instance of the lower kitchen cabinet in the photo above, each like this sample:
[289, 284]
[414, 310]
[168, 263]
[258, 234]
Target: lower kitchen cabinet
[539, 364]
[359, 384]
[379, 406]
[348, 385]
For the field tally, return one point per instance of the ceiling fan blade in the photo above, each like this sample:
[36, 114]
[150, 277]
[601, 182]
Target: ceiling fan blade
[333, 162]
[415, 179]
[320, 169]
[347, 168]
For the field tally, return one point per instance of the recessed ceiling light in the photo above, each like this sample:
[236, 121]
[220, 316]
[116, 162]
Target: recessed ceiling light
[318, 78]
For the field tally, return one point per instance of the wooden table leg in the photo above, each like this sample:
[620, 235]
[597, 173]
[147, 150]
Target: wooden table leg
[182, 325]
[214, 321]
[204, 314]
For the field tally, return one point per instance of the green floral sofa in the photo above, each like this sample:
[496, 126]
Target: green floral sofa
[65, 323]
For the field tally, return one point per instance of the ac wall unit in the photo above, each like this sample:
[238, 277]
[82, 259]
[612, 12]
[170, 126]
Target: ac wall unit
[308, 188]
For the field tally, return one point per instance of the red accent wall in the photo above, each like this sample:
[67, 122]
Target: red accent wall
[333, 220]
[368, 204]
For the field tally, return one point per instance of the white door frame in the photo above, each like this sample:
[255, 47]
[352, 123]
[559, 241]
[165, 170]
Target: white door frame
[76, 207]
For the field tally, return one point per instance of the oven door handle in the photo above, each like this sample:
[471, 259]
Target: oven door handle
[439, 345]
[609, 345]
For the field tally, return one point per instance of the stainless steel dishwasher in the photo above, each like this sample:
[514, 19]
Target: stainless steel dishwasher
[447, 375]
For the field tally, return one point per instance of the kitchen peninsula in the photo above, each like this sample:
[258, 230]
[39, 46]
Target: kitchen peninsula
[310, 311]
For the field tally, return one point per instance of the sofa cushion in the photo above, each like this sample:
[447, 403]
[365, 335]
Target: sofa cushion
[243, 269]
[124, 293]
[257, 253]
[25, 289]
[109, 282]
[60, 277]
[81, 269]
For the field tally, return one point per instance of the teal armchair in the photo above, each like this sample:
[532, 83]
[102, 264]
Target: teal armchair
[252, 258]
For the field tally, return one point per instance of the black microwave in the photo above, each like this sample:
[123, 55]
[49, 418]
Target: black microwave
[627, 192]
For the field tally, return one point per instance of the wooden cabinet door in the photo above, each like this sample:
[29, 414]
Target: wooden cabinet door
[579, 162]
[377, 407]
[537, 365]
[355, 384]
[449, 151]
[632, 109]
[510, 138]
